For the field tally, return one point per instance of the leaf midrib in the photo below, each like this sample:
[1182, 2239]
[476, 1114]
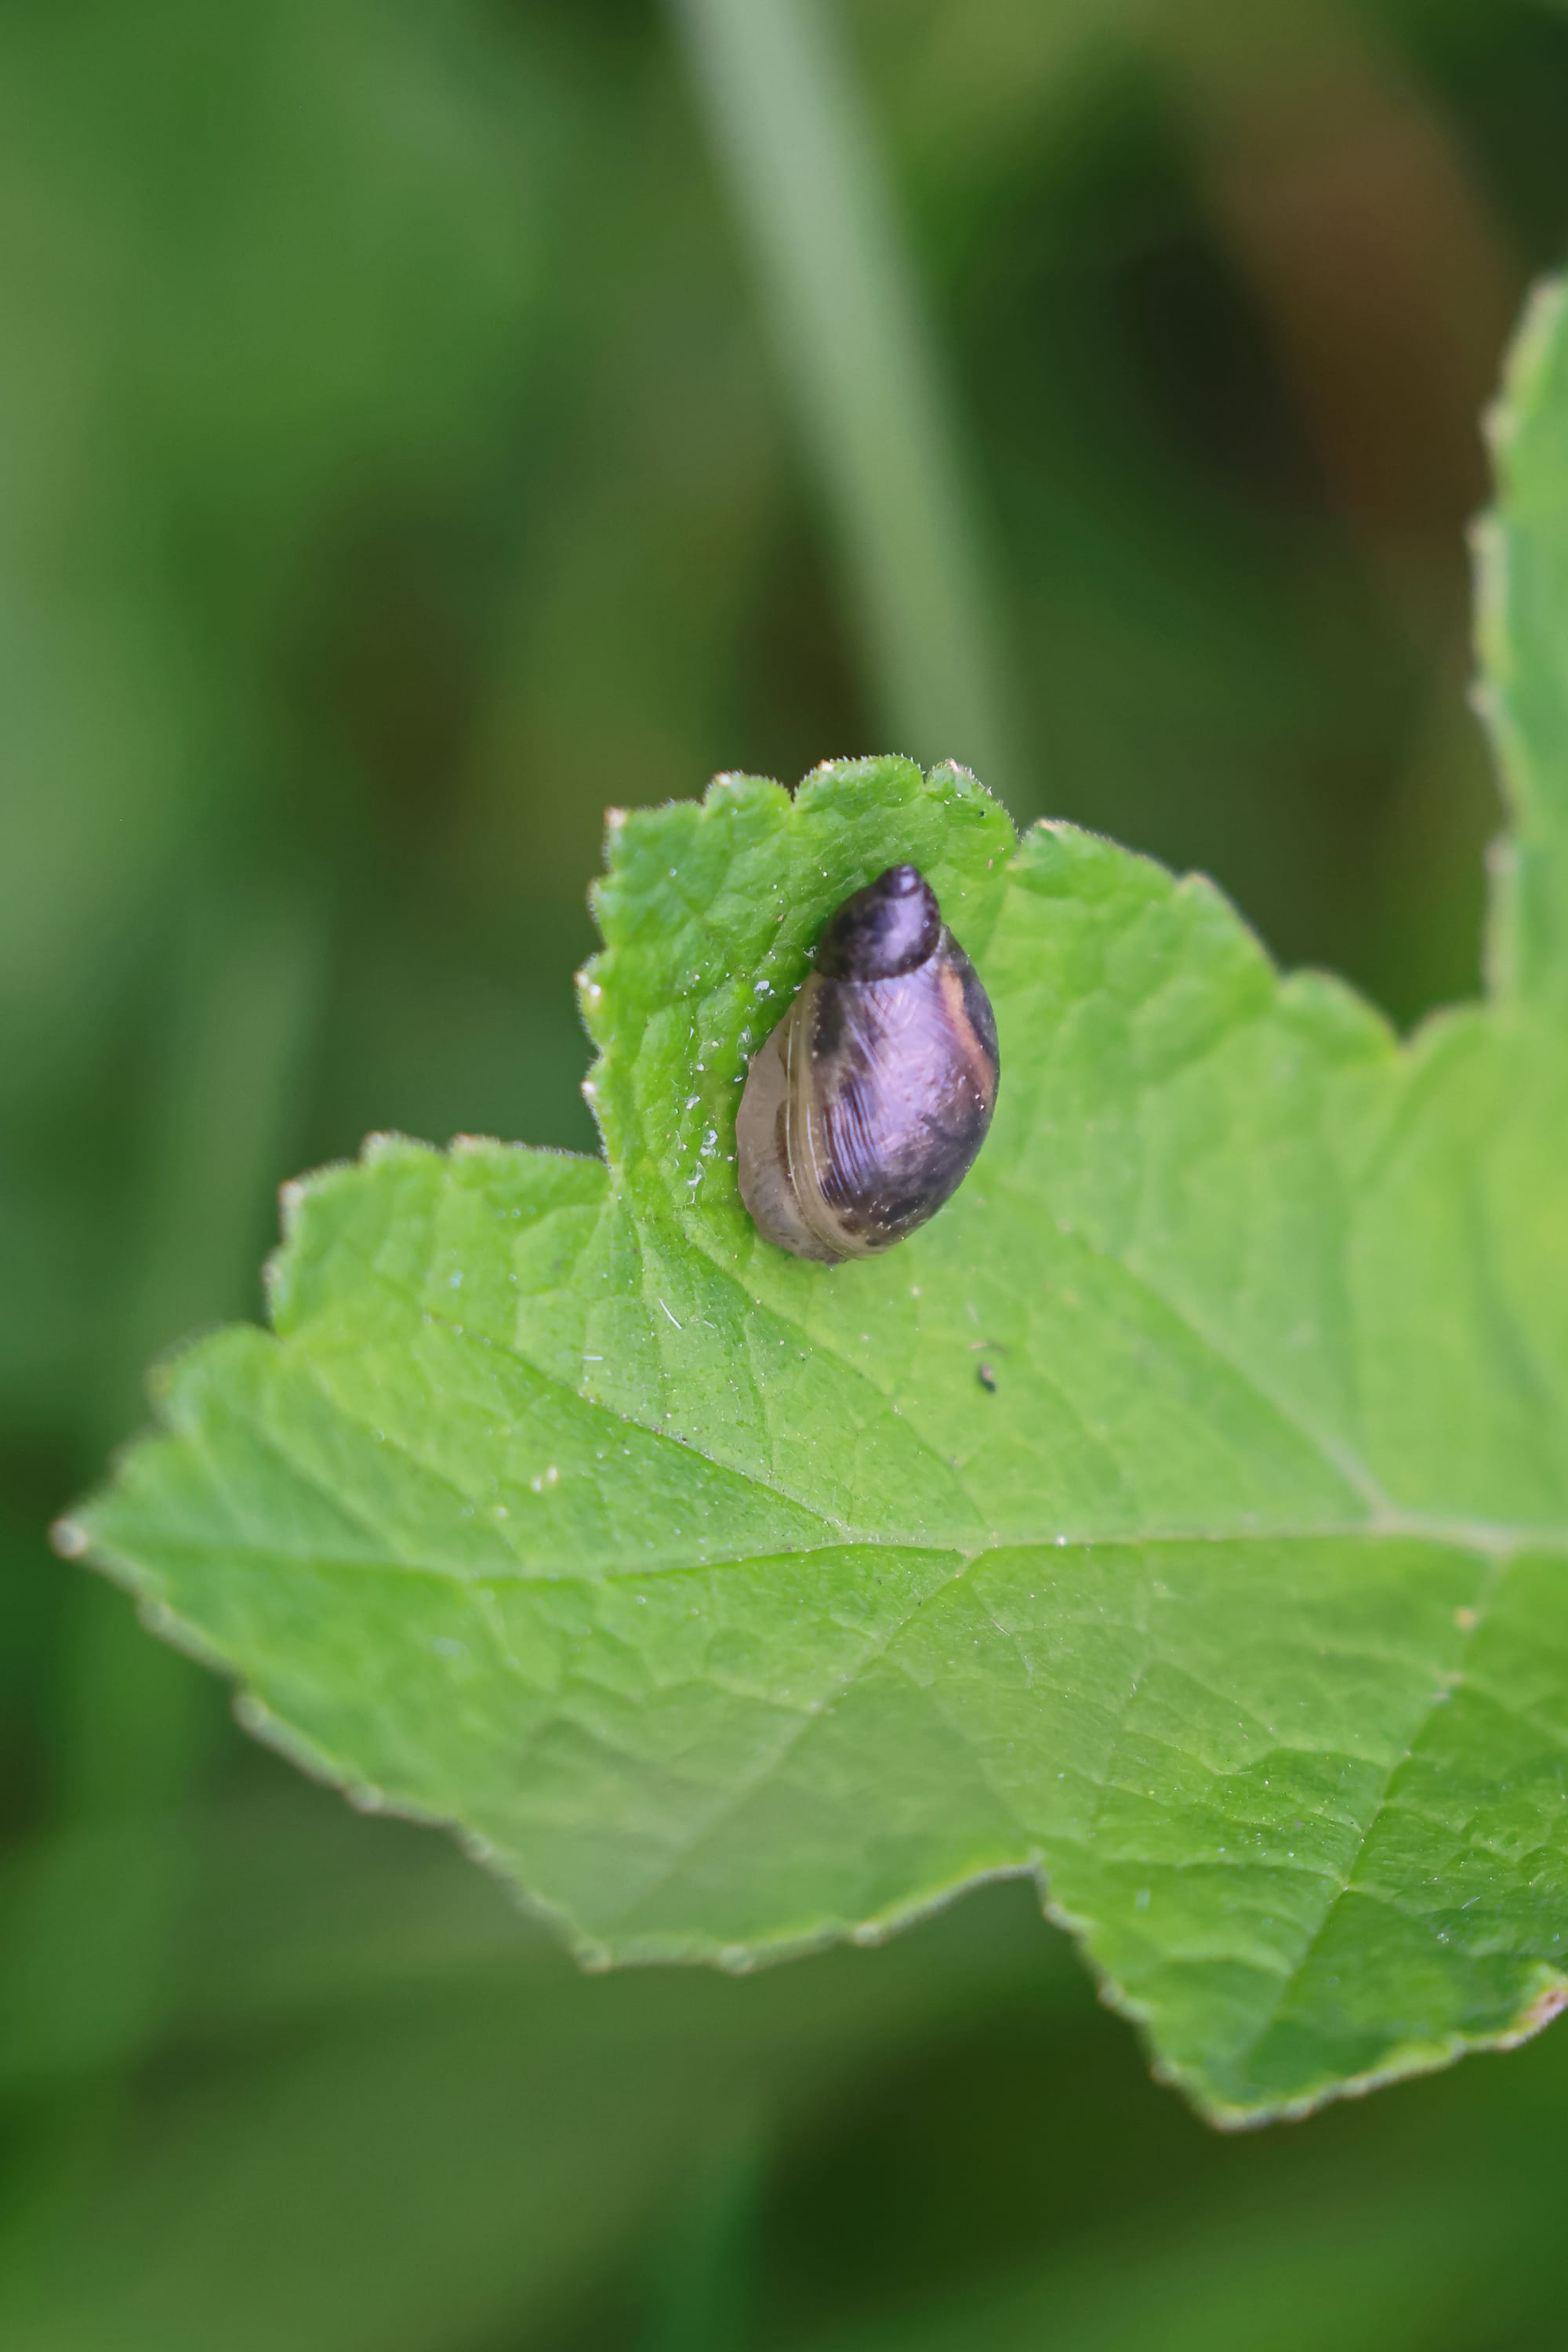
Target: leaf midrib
[1386, 1520]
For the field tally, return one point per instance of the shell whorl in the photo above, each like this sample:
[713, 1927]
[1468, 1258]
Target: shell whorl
[865, 1108]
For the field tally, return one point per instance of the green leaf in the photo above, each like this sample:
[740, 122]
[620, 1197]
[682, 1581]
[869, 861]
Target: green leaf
[725, 1609]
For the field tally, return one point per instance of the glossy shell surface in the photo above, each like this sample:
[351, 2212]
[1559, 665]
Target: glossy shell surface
[864, 1110]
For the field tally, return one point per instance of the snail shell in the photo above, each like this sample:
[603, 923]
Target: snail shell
[863, 1112]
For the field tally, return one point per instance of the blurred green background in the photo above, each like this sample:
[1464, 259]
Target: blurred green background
[423, 423]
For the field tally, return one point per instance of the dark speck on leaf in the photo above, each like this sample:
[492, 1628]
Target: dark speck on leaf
[987, 1377]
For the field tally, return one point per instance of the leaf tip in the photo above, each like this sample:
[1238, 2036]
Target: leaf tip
[71, 1538]
[1545, 2005]
[385, 1143]
[1528, 360]
[291, 1198]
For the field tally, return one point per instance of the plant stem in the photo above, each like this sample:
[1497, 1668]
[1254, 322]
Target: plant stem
[802, 166]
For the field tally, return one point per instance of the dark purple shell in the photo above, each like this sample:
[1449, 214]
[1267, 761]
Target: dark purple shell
[865, 1109]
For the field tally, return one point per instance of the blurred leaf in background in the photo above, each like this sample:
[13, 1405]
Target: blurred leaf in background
[409, 444]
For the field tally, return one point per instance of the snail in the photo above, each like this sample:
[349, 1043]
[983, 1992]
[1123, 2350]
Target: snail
[864, 1110]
